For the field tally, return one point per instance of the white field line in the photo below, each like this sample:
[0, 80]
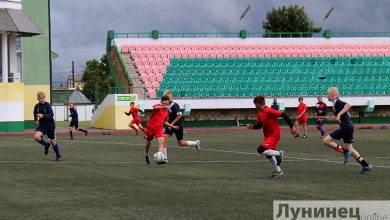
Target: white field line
[216, 150]
[129, 162]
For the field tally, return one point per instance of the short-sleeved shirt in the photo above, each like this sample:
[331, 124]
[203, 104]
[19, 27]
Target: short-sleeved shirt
[321, 109]
[174, 111]
[134, 112]
[346, 120]
[157, 118]
[301, 108]
[268, 117]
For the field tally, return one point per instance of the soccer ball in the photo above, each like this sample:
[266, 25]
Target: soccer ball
[158, 157]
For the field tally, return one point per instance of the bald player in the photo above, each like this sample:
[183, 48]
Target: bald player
[345, 131]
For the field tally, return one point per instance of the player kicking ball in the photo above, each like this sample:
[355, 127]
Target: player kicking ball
[44, 118]
[74, 123]
[174, 118]
[155, 127]
[136, 120]
[345, 131]
[267, 118]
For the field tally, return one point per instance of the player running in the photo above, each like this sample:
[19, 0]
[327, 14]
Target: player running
[321, 110]
[301, 118]
[44, 118]
[267, 118]
[74, 123]
[155, 127]
[345, 131]
[136, 120]
[174, 118]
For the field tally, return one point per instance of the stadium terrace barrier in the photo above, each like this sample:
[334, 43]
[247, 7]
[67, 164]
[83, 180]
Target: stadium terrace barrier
[251, 34]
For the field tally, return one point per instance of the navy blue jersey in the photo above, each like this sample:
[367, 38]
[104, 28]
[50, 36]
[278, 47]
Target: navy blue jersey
[74, 115]
[275, 106]
[346, 120]
[47, 121]
[321, 109]
[174, 111]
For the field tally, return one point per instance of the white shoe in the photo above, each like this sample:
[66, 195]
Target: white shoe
[197, 145]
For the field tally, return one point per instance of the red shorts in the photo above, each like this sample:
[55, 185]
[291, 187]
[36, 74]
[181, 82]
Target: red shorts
[136, 121]
[154, 133]
[271, 142]
[301, 120]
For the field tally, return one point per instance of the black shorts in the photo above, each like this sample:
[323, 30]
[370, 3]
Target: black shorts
[178, 132]
[74, 124]
[320, 122]
[345, 133]
[50, 132]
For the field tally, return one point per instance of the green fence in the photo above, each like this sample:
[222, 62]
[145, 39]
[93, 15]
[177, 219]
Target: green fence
[250, 34]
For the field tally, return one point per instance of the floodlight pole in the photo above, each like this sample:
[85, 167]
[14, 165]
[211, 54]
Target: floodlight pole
[243, 15]
[327, 16]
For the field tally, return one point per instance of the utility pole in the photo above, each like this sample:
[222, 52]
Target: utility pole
[73, 83]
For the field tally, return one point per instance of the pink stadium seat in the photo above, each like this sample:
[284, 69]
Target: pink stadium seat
[152, 94]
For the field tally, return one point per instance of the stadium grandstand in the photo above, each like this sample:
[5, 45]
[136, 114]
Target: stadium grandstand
[225, 71]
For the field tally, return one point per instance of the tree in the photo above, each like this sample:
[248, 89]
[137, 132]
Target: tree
[289, 19]
[98, 79]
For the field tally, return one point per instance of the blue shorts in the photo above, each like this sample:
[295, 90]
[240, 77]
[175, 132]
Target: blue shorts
[74, 124]
[49, 132]
[320, 122]
[343, 133]
[178, 132]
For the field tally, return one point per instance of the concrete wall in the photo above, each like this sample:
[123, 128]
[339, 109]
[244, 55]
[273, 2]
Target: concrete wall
[36, 57]
[61, 112]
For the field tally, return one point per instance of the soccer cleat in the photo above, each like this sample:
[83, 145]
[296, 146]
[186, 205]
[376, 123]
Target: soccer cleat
[297, 135]
[147, 159]
[58, 159]
[136, 133]
[197, 145]
[347, 155]
[47, 148]
[365, 169]
[304, 136]
[277, 174]
[279, 159]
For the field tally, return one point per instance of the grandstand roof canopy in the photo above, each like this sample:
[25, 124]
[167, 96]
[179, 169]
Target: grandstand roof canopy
[16, 21]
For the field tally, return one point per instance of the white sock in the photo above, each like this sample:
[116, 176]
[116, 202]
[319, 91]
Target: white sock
[271, 153]
[192, 143]
[274, 164]
[165, 153]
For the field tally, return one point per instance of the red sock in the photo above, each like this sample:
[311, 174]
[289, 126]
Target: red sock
[341, 150]
[135, 128]
[143, 130]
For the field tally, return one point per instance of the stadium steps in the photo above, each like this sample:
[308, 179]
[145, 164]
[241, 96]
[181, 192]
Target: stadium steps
[120, 72]
[138, 86]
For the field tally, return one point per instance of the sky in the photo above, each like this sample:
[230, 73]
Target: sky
[79, 27]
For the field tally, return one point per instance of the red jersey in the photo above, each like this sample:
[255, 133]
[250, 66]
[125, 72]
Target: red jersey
[157, 119]
[134, 112]
[301, 108]
[269, 118]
